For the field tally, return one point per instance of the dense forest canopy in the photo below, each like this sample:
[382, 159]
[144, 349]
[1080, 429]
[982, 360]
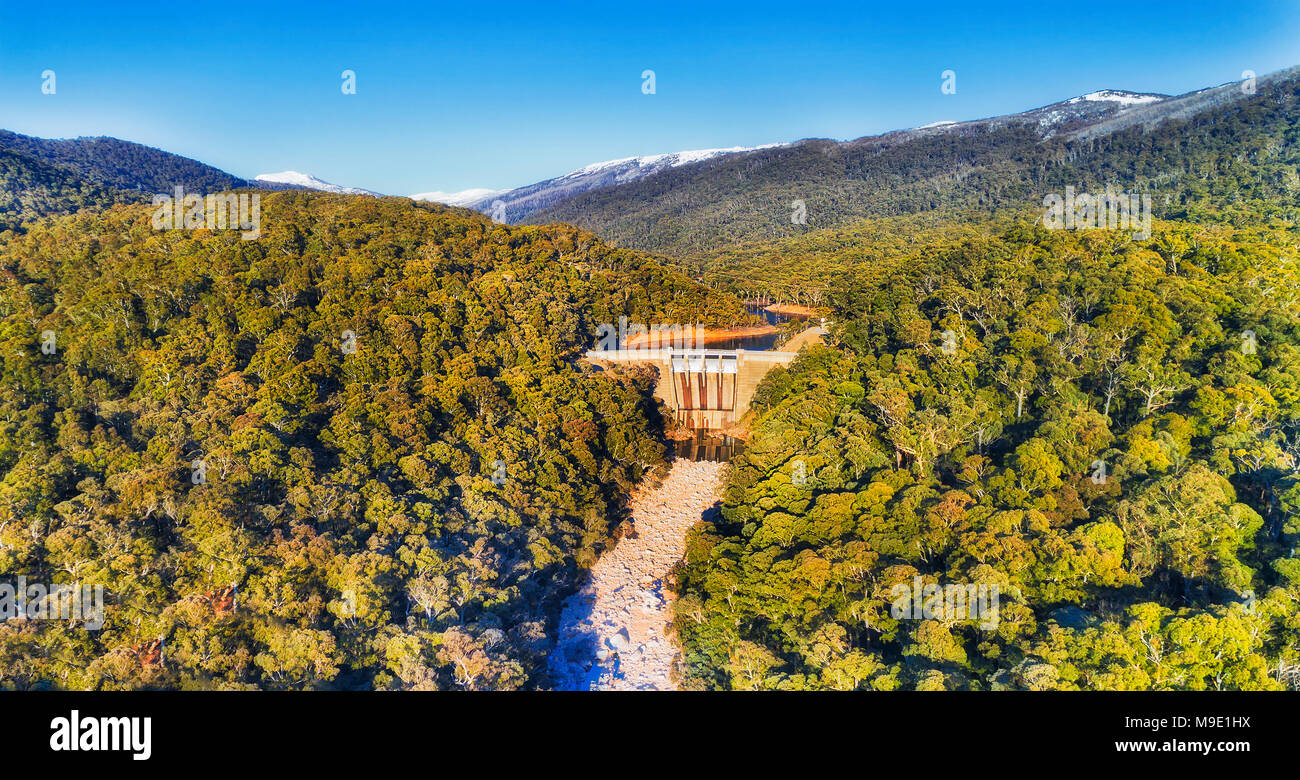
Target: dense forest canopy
[1106, 429]
[358, 452]
[363, 450]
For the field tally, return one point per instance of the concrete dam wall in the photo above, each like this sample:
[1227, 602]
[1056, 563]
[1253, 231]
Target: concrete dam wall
[704, 388]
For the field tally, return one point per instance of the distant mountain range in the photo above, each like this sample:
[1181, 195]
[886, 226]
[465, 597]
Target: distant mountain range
[1239, 133]
[462, 198]
[692, 201]
[522, 201]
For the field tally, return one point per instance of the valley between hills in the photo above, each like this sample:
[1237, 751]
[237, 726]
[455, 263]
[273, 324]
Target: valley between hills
[368, 450]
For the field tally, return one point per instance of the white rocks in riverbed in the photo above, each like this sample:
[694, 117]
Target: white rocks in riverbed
[625, 606]
[619, 640]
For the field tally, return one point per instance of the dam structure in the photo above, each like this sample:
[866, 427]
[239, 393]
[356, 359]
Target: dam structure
[705, 389]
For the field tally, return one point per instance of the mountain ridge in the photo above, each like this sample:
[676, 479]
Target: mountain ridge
[1138, 140]
[294, 179]
[519, 202]
[123, 165]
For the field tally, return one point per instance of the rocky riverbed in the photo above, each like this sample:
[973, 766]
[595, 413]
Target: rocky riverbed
[614, 633]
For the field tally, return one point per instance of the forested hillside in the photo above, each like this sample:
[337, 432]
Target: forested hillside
[30, 188]
[1106, 429]
[358, 452]
[41, 176]
[363, 451]
[806, 269]
[1237, 161]
[122, 164]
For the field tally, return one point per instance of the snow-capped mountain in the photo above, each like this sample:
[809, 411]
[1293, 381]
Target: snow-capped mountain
[1064, 117]
[309, 182]
[1085, 115]
[629, 168]
[462, 198]
[1119, 96]
[522, 201]
[1068, 115]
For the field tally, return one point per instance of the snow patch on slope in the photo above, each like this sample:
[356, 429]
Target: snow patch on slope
[296, 179]
[462, 198]
[666, 160]
[1118, 96]
[521, 201]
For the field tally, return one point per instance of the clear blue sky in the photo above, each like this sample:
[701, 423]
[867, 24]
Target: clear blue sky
[488, 93]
